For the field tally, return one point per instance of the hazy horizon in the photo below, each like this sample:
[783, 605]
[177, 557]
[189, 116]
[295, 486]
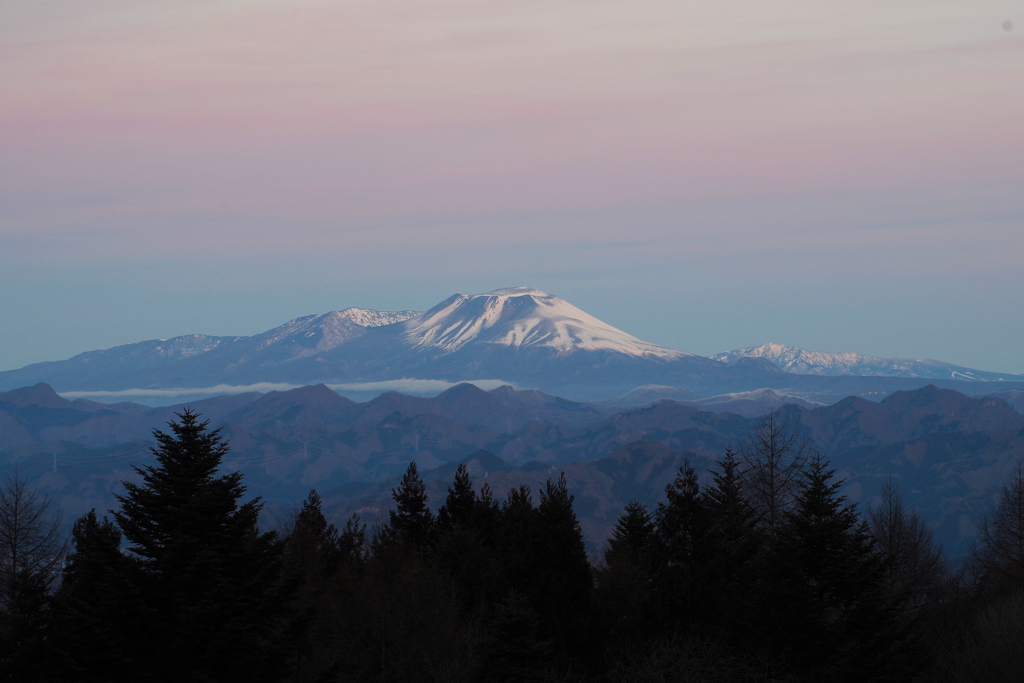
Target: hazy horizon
[704, 177]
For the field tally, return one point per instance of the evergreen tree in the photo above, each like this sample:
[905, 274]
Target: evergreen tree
[681, 553]
[734, 546]
[630, 542]
[828, 603]
[411, 522]
[312, 556]
[352, 541]
[312, 546]
[208, 580]
[94, 606]
[624, 581]
[460, 505]
[516, 649]
[464, 549]
[565, 581]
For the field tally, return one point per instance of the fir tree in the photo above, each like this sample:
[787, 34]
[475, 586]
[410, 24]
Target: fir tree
[565, 581]
[624, 581]
[460, 505]
[734, 545]
[208, 580]
[312, 547]
[829, 604]
[352, 541]
[312, 556]
[411, 522]
[94, 606]
[630, 542]
[681, 553]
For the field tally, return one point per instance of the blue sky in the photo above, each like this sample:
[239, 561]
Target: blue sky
[706, 176]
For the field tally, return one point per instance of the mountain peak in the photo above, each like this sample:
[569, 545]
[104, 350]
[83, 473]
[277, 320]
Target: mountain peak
[522, 317]
[515, 291]
[40, 395]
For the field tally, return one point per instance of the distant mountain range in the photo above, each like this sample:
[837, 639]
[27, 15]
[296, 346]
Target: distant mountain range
[947, 452]
[519, 336]
[803, 362]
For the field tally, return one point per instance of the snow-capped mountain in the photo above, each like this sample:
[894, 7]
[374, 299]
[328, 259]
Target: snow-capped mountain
[804, 362]
[518, 335]
[519, 317]
[314, 334]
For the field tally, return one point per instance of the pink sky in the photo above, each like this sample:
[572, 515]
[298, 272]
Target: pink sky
[611, 144]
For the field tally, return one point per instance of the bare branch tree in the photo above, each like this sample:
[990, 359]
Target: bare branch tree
[32, 546]
[916, 565]
[997, 559]
[774, 458]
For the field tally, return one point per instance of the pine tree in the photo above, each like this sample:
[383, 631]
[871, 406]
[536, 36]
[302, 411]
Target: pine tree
[208, 580]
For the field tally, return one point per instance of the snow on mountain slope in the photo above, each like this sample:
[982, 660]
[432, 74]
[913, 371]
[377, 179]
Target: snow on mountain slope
[804, 362]
[318, 333]
[520, 317]
[367, 317]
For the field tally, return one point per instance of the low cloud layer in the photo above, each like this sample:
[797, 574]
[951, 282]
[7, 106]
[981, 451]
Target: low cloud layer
[419, 387]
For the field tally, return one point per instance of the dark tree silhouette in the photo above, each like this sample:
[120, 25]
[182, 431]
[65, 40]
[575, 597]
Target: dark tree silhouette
[623, 592]
[208, 580]
[411, 521]
[31, 550]
[829, 604]
[773, 461]
[997, 559]
[95, 619]
[915, 565]
[461, 503]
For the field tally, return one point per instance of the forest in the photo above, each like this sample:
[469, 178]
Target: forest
[757, 571]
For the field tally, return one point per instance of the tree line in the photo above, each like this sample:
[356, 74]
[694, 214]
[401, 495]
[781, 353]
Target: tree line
[762, 573]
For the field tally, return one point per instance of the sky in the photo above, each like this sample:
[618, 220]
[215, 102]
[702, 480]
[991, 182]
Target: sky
[703, 175]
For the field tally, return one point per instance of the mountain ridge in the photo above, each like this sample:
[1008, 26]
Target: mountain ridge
[801, 361]
[518, 335]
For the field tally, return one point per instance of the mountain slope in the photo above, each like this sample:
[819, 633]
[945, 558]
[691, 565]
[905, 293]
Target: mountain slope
[519, 336]
[519, 317]
[804, 362]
